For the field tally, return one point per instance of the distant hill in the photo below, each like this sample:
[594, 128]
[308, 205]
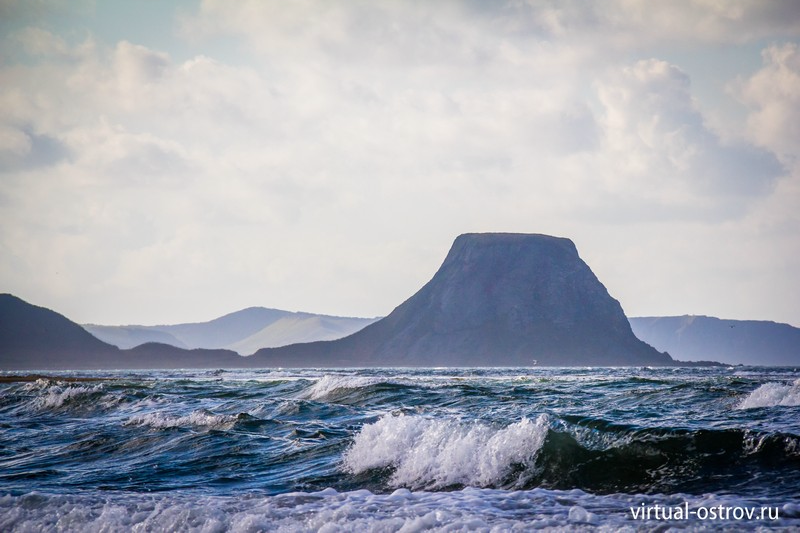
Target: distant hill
[36, 338]
[127, 337]
[497, 300]
[299, 328]
[243, 331]
[749, 342]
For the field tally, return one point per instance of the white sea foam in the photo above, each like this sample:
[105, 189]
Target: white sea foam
[772, 395]
[429, 453]
[579, 514]
[197, 419]
[329, 511]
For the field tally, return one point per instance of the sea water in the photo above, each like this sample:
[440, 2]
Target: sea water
[402, 450]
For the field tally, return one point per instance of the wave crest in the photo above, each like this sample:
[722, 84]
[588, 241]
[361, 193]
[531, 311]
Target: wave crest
[428, 453]
[56, 396]
[202, 419]
[772, 395]
[331, 386]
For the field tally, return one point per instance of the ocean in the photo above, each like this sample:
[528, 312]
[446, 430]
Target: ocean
[479, 449]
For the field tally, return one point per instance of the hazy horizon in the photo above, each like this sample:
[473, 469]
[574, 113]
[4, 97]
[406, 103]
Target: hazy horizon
[377, 317]
[173, 162]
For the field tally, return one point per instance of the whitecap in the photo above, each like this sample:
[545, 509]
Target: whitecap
[56, 396]
[429, 453]
[197, 419]
[39, 384]
[772, 395]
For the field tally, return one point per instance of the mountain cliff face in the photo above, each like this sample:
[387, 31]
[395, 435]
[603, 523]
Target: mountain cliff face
[747, 342]
[497, 300]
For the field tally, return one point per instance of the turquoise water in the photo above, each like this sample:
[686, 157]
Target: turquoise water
[400, 449]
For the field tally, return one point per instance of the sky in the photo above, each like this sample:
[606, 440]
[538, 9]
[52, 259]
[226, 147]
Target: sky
[173, 161]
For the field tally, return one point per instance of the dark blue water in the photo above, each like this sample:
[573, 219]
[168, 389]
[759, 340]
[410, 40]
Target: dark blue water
[399, 449]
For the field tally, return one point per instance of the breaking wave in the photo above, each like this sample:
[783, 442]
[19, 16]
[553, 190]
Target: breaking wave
[773, 395]
[429, 453]
[54, 396]
[441, 454]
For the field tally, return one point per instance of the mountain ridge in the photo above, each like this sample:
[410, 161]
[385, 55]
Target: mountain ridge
[749, 342]
[243, 331]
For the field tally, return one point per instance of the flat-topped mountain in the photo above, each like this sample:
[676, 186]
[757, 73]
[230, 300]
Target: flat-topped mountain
[697, 337]
[498, 299]
[243, 331]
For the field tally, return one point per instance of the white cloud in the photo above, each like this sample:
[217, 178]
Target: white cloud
[13, 143]
[330, 166]
[137, 69]
[40, 42]
[452, 32]
[773, 95]
[628, 23]
[660, 149]
[387, 33]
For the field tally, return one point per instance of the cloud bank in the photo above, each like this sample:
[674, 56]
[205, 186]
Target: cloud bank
[322, 156]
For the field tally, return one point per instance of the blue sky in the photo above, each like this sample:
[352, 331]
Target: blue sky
[164, 162]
